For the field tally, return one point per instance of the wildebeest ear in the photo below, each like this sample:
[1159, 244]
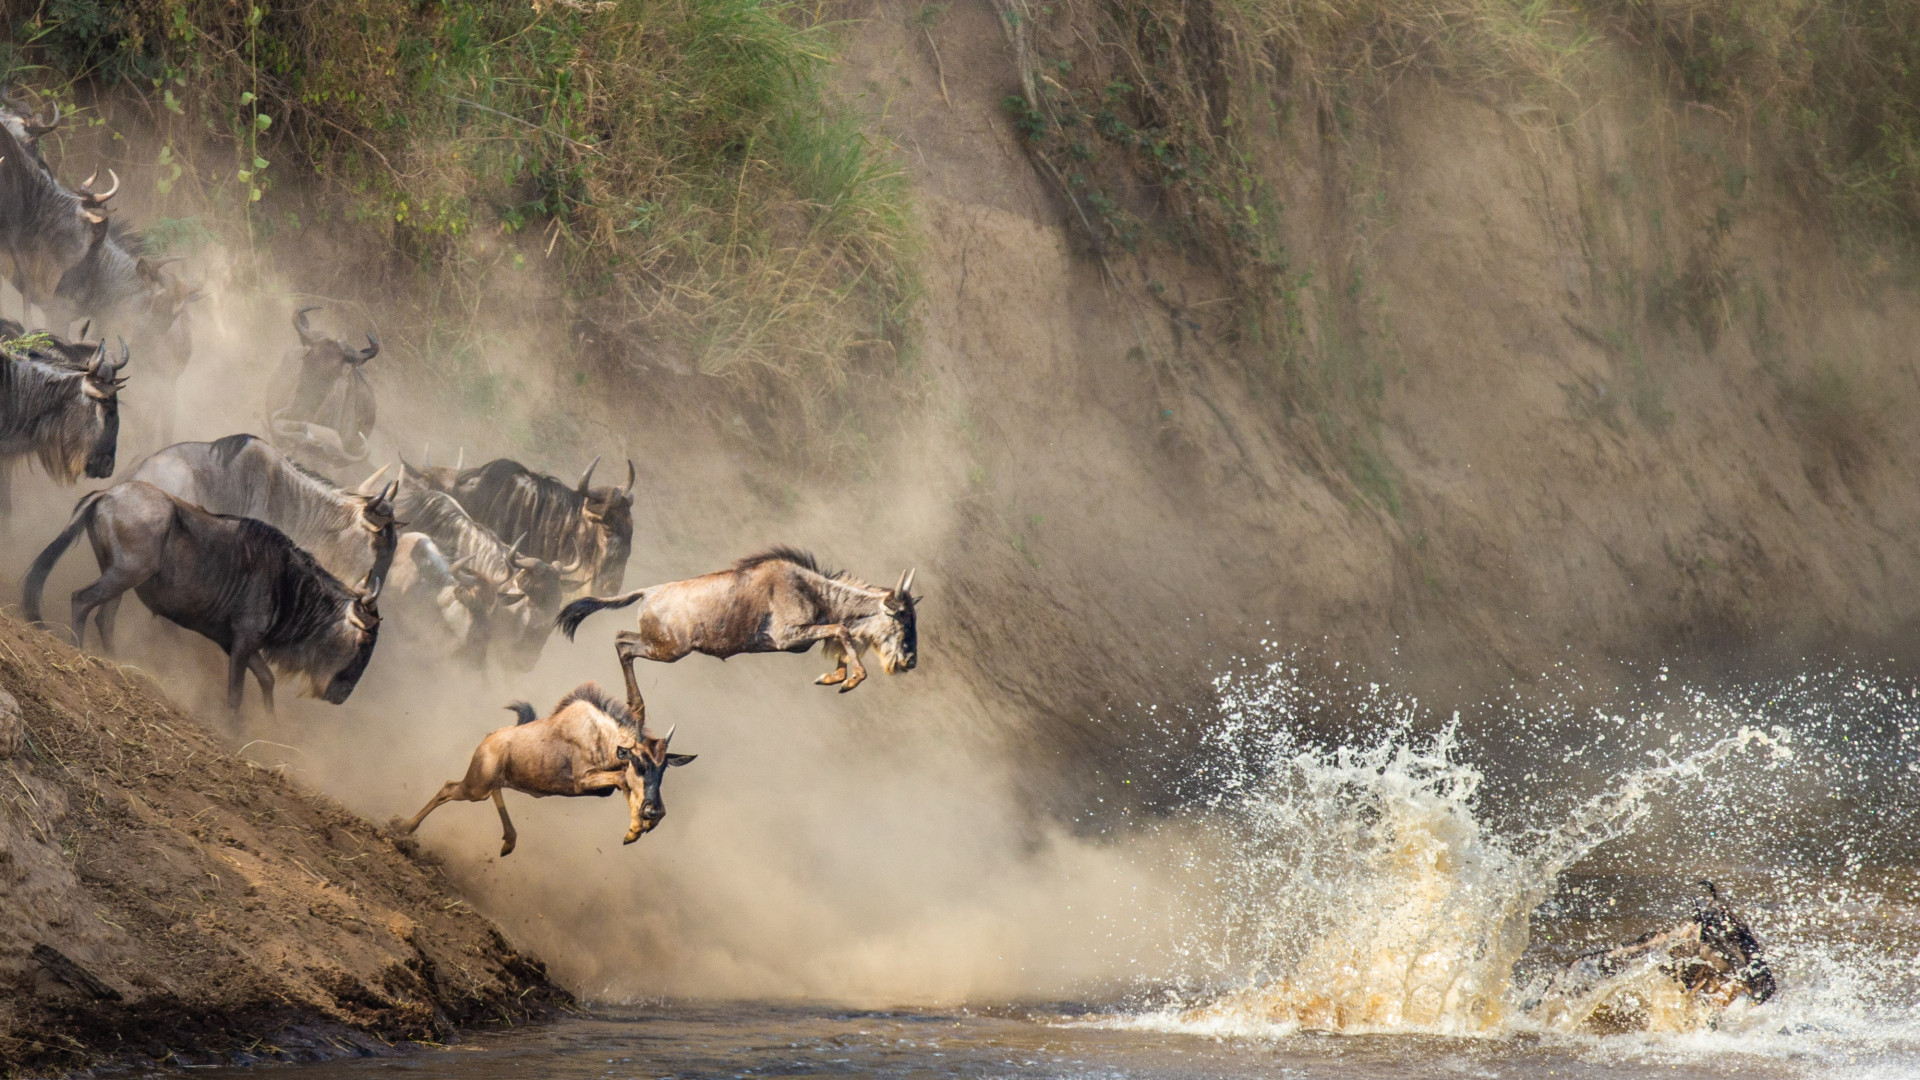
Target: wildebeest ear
[680, 759]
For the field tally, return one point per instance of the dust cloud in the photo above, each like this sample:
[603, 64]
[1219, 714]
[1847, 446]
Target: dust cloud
[872, 847]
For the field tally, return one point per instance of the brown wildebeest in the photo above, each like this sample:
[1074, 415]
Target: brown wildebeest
[777, 601]
[236, 581]
[589, 745]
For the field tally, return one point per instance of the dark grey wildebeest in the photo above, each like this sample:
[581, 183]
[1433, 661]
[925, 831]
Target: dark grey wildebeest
[777, 601]
[320, 405]
[585, 530]
[589, 744]
[240, 583]
[65, 415]
[351, 533]
[519, 594]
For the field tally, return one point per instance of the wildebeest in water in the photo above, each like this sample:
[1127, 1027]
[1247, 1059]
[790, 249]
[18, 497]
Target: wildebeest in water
[321, 407]
[59, 410]
[236, 581]
[777, 601]
[587, 531]
[589, 745]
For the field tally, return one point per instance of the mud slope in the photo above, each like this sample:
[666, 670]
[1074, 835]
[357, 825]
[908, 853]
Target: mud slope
[202, 908]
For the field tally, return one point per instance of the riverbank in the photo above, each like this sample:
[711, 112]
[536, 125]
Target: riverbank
[163, 900]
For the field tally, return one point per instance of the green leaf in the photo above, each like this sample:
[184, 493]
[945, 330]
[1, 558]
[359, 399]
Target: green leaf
[245, 176]
[259, 163]
[261, 121]
[246, 97]
[172, 103]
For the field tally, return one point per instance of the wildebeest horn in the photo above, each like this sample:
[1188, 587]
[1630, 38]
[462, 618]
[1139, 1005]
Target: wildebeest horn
[300, 323]
[906, 583]
[367, 486]
[587, 476]
[630, 475]
[459, 563]
[35, 128]
[426, 456]
[97, 198]
[84, 327]
[459, 459]
[372, 350]
[115, 369]
[280, 427]
[515, 546]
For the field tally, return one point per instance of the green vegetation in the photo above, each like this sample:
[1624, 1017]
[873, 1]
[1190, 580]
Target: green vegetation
[678, 158]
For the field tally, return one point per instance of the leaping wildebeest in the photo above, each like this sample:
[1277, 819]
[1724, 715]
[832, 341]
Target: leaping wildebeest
[351, 533]
[777, 601]
[589, 744]
[65, 414]
[321, 405]
[240, 583]
[581, 526]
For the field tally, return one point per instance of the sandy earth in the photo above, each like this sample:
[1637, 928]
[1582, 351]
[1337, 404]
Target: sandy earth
[207, 909]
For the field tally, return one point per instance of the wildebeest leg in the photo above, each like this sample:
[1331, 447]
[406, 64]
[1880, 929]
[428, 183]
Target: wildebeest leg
[449, 791]
[635, 703]
[108, 589]
[507, 836]
[263, 675]
[836, 636]
[103, 618]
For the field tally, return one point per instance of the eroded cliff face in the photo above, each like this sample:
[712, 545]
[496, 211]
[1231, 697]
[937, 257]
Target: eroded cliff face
[162, 900]
[1630, 396]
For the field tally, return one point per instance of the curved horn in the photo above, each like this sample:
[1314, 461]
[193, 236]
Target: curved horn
[515, 546]
[124, 357]
[460, 459]
[287, 428]
[906, 583]
[367, 486]
[98, 198]
[300, 323]
[587, 477]
[35, 128]
[630, 475]
[372, 350]
[426, 456]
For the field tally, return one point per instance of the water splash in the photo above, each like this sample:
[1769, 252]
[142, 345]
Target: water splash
[1364, 890]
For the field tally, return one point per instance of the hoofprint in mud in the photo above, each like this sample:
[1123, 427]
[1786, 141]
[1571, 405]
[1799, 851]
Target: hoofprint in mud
[779, 600]
[589, 744]
[235, 581]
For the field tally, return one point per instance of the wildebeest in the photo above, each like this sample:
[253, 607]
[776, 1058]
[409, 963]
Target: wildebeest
[239, 582]
[66, 415]
[44, 228]
[351, 533]
[320, 403]
[777, 601]
[446, 592]
[519, 592]
[1700, 967]
[586, 529]
[589, 744]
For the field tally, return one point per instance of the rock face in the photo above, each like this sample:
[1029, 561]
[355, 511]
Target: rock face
[163, 899]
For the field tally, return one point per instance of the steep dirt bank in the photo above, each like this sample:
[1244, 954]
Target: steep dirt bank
[162, 900]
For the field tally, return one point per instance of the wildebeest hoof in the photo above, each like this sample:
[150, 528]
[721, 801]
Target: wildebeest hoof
[831, 678]
[631, 837]
[506, 849]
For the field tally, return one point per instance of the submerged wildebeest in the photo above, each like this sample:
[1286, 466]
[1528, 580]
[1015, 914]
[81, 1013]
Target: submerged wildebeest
[1702, 965]
[238, 582]
[64, 414]
[351, 533]
[320, 403]
[518, 593]
[777, 601]
[589, 745]
[586, 530]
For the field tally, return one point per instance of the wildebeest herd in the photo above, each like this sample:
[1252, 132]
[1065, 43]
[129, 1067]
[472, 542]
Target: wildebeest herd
[247, 541]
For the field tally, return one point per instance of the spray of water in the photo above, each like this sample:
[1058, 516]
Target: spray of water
[1361, 888]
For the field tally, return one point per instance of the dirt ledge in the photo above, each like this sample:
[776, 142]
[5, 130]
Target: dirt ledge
[164, 901]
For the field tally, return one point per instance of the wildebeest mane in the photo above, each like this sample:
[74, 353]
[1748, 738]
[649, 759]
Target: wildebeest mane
[785, 553]
[441, 516]
[307, 600]
[228, 447]
[591, 693]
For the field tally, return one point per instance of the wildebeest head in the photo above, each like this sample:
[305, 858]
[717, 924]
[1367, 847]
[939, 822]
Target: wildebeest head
[609, 509]
[650, 761]
[530, 596]
[893, 632]
[347, 651]
[101, 384]
[328, 387]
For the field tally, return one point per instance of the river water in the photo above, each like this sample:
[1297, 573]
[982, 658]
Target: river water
[1382, 893]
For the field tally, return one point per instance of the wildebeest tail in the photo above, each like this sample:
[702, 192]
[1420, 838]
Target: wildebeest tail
[574, 614]
[522, 710]
[43, 566]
